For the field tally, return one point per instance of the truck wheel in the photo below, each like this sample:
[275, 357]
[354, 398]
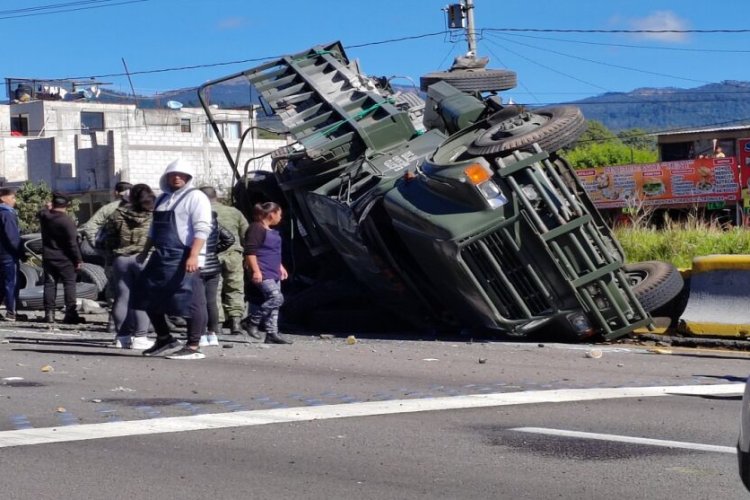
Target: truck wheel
[477, 80]
[33, 297]
[28, 276]
[91, 273]
[551, 128]
[654, 283]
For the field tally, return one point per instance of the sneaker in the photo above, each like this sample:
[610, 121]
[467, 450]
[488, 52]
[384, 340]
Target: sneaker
[9, 316]
[141, 343]
[204, 341]
[123, 342]
[187, 353]
[162, 346]
[213, 340]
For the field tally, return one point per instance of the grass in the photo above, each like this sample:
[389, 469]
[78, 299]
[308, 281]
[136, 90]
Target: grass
[680, 242]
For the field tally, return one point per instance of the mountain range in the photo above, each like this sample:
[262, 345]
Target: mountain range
[652, 109]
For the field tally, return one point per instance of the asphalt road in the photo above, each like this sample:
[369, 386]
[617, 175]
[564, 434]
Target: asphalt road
[389, 417]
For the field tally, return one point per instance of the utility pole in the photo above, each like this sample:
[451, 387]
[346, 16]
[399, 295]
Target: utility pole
[471, 35]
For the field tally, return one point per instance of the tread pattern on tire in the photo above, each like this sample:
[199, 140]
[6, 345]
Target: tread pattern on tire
[565, 125]
[662, 284]
[33, 297]
[480, 80]
[91, 273]
[29, 276]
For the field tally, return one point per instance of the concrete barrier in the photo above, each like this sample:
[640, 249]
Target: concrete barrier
[719, 302]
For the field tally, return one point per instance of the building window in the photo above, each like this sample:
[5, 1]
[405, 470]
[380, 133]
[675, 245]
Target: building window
[185, 125]
[19, 125]
[229, 130]
[92, 121]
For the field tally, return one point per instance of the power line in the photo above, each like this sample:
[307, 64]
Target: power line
[96, 4]
[52, 6]
[556, 30]
[630, 46]
[593, 61]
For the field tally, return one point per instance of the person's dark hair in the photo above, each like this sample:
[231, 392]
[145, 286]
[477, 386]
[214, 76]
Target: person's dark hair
[263, 210]
[5, 191]
[142, 198]
[209, 191]
[60, 200]
[122, 186]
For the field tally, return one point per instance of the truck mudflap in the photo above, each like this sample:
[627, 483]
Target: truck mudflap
[583, 251]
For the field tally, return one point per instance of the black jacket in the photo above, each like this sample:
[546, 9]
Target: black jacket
[59, 237]
[218, 241]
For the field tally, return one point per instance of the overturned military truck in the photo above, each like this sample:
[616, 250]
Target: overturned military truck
[450, 212]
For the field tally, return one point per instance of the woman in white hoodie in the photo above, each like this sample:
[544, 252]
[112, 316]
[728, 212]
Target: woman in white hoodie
[170, 283]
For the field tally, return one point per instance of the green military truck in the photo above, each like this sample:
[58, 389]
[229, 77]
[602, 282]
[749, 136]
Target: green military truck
[454, 210]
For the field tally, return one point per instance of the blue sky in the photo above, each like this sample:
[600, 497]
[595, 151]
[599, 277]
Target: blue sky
[551, 66]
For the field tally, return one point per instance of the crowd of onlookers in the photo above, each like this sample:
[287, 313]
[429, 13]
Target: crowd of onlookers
[179, 254]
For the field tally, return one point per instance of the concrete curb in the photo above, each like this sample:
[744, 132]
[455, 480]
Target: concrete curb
[719, 302]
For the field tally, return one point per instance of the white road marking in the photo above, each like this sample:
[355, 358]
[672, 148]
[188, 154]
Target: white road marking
[27, 437]
[627, 439]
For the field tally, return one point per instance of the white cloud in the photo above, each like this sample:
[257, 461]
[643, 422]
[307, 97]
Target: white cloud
[231, 23]
[661, 20]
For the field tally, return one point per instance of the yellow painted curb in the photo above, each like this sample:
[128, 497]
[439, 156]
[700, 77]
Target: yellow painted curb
[720, 263]
[715, 329]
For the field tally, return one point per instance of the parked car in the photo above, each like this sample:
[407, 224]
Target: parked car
[452, 212]
[743, 444]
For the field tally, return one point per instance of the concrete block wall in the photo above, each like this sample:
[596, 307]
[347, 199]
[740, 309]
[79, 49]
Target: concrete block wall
[13, 159]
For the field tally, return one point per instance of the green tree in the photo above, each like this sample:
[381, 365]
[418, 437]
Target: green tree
[608, 154]
[637, 138]
[595, 132]
[30, 198]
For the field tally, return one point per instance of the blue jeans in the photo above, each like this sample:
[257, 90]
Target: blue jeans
[266, 316]
[9, 277]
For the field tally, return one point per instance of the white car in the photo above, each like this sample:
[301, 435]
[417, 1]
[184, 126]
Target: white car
[743, 445]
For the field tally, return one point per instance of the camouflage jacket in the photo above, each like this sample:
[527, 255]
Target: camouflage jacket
[232, 220]
[127, 231]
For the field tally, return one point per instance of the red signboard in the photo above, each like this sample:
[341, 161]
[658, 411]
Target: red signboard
[684, 182]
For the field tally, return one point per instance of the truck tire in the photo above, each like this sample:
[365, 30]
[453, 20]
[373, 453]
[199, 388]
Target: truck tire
[551, 128]
[476, 80]
[654, 283]
[33, 297]
[91, 273]
[28, 276]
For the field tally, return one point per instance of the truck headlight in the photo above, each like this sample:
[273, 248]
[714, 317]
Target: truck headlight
[492, 194]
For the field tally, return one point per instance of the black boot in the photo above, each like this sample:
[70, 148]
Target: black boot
[235, 326]
[276, 338]
[72, 317]
[49, 316]
[250, 329]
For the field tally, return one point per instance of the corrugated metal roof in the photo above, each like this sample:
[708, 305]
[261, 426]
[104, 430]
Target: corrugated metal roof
[702, 130]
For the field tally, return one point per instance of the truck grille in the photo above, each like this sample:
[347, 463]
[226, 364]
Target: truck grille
[513, 288]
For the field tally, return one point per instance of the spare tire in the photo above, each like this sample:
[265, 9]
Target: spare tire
[551, 128]
[33, 297]
[472, 80]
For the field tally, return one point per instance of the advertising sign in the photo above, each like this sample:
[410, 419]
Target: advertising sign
[698, 181]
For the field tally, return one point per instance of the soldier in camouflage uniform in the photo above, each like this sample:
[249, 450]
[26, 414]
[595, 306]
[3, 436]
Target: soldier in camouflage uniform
[232, 271]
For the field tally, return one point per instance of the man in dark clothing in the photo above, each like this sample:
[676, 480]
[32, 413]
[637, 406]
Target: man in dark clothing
[61, 258]
[10, 251]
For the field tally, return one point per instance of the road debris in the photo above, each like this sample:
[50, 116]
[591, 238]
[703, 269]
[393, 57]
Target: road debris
[482, 361]
[594, 353]
[351, 340]
[47, 369]
[660, 350]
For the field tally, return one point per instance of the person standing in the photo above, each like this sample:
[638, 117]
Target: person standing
[91, 228]
[218, 242]
[263, 262]
[10, 251]
[127, 232]
[170, 284]
[232, 272]
[91, 248]
[61, 258]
